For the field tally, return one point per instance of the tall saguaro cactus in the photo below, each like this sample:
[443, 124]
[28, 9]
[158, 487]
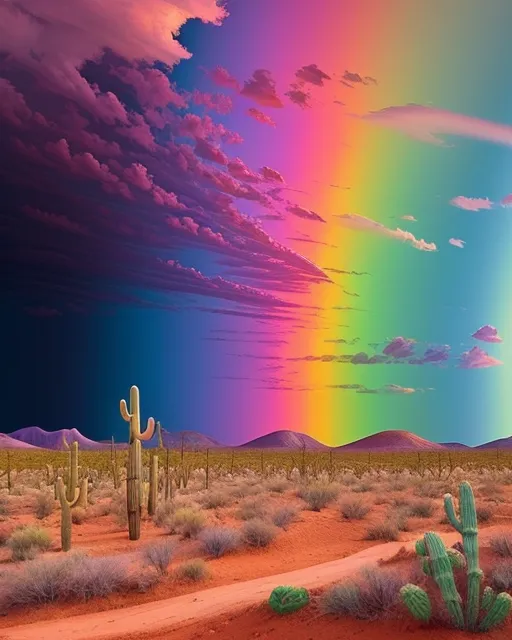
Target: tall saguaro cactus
[72, 472]
[65, 510]
[134, 466]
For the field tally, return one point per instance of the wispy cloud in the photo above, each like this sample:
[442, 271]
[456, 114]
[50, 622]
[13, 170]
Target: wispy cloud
[258, 115]
[457, 242]
[312, 74]
[355, 221]
[471, 204]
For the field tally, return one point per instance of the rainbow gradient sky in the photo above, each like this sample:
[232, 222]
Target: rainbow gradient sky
[408, 144]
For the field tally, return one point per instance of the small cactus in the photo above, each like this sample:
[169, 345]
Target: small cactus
[288, 599]
[153, 486]
[65, 507]
[417, 602]
[498, 612]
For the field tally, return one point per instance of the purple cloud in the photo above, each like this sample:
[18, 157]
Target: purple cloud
[399, 348]
[477, 358]
[487, 333]
[312, 74]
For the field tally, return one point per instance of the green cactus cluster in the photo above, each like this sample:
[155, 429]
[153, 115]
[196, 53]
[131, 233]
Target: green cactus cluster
[439, 563]
[288, 599]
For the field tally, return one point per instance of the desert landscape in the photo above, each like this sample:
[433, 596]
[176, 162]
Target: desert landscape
[117, 541]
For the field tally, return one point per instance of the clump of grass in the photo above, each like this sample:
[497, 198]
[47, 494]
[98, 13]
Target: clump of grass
[362, 487]
[4, 510]
[188, 522]
[27, 541]
[214, 500]
[258, 533]
[193, 570]
[243, 490]
[400, 517]
[502, 545]
[78, 515]
[163, 513]
[421, 509]
[501, 576]
[370, 597]
[483, 514]
[354, 509]
[72, 576]
[284, 516]
[217, 541]
[429, 490]
[318, 496]
[251, 508]
[277, 485]
[44, 504]
[159, 555]
[387, 531]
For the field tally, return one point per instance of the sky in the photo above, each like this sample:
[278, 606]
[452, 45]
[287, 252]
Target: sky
[264, 219]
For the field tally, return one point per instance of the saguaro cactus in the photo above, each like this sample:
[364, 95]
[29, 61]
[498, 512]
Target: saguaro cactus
[439, 562]
[134, 466]
[153, 486]
[65, 511]
[72, 482]
[159, 435]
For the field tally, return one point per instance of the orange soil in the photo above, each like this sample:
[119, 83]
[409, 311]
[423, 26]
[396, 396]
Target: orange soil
[316, 538]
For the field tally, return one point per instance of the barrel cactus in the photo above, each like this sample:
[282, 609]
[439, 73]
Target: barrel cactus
[288, 599]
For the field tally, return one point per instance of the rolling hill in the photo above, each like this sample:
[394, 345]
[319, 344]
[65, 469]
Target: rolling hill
[53, 439]
[391, 441]
[502, 443]
[6, 442]
[191, 440]
[284, 440]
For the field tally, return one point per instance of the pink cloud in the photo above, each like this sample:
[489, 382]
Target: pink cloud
[400, 348]
[487, 333]
[409, 218]
[218, 102]
[429, 124]
[457, 242]
[471, 204]
[238, 169]
[152, 87]
[222, 78]
[507, 201]
[354, 221]
[350, 78]
[258, 115]
[13, 107]
[138, 131]
[262, 89]
[54, 220]
[210, 152]
[271, 175]
[477, 358]
[298, 96]
[137, 174]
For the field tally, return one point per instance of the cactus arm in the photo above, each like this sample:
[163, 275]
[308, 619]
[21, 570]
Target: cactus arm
[449, 509]
[488, 598]
[442, 573]
[457, 559]
[421, 549]
[417, 602]
[150, 431]
[124, 411]
[498, 612]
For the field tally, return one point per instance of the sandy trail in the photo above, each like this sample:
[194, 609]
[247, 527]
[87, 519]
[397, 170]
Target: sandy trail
[166, 615]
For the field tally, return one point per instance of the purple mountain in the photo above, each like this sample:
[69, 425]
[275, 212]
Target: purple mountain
[502, 443]
[6, 442]
[454, 445]
[285, 440]
[391, 441]
[54, 439]
[191, 440]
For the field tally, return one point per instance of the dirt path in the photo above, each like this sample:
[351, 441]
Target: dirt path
[155, 617]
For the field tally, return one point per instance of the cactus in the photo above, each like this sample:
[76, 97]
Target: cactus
[467, 526]
[417, 602]
[168, 478]
[499, 610]
[113, 462]
[159, 434]
[153, 486]
[9, 481]
[288, 599]
[65, 507]
[439, 563]
[72, 482]
[134, 466]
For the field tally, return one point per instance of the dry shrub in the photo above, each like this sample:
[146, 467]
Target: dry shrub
[354, 509]
[483, 514]
[27, 541]
[387, 531]
[159, 555]
[188, 522]
[317, 496]
[217, 541]
[373, 595]
[44, 504]
[214, 500]
[284, 516]
[422, 509]
[251, 508]
[501, 576]
[164, 513]
[193, 570]
[501, 545]
[362, 487]
[68, 577]
[277, 485]
[258, 533]
[78, 515]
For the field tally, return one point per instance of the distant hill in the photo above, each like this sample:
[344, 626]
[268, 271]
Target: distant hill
[454, 445]
[191, 440]
[391, 441]
[284, 440]
[502, 443]
[6, 442]
[53, 439]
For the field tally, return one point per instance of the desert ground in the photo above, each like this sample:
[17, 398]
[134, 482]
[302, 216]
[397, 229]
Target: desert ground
[207, 560]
